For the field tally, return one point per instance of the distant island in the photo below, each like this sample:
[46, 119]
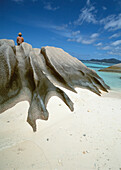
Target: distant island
[111, 60]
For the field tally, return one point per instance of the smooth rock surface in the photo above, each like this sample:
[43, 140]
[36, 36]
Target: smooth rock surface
[32, 74]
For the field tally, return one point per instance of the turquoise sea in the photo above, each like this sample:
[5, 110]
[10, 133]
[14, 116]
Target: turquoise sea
[110, 78]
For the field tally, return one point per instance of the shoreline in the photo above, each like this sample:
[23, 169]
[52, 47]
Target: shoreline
[88, 138]
[111, 71]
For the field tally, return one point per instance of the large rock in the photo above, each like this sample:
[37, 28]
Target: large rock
[9, 81]
[32, 74]
[113, 68]
[70, 71]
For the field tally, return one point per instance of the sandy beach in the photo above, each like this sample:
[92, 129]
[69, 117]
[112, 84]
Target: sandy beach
[87, 139]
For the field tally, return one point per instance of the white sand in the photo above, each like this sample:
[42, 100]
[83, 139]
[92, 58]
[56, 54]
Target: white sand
[86, 139]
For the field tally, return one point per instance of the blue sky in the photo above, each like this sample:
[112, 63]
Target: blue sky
[85, 29]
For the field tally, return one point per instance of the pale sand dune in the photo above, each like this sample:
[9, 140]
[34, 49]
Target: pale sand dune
[86, 139]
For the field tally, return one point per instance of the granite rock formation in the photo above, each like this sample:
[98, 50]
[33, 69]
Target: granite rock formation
[33, 74]
[114, 68]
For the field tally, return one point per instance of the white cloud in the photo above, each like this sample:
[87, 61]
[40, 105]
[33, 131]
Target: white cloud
[78, 40]
[88, 2]
[116, 43]
[59, 27]
[114, 53]
[75, 33]
[95, 35]
[104, 8]
[112, 22]
[99, 44]
[107, 19]
[115, 35]
[113, 49]
[105, 48]
[82, 40]
[89, 41]
[87, 15]
[77, 37]
[48, 6]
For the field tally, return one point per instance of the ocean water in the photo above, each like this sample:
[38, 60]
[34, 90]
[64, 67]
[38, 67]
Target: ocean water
[111, 79]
